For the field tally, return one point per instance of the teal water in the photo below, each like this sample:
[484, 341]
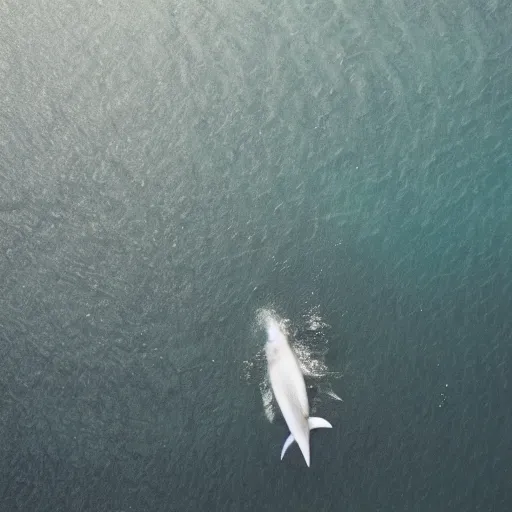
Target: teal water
[168, 168]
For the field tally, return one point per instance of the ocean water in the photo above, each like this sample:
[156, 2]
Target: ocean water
[169, 168]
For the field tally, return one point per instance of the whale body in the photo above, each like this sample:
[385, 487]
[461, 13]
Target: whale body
[289, 389]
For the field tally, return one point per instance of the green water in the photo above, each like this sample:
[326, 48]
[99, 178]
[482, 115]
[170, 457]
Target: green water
[168, 168]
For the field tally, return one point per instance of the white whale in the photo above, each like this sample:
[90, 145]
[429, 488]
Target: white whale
[289, 389]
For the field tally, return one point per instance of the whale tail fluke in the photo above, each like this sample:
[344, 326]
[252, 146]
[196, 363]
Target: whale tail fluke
[313, 422]
[286, 445]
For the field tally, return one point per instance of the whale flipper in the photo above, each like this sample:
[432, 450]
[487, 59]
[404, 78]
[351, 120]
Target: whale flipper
[286, 445]
[318, 423]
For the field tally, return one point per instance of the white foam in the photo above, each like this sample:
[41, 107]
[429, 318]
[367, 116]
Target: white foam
[310, 352]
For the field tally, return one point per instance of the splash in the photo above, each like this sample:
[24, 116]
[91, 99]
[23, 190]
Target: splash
[267, 399]
[310, 342]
